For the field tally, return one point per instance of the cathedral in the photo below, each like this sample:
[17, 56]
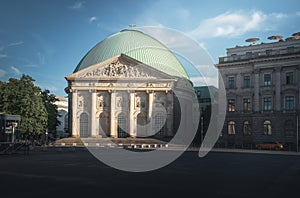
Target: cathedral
[125, 87]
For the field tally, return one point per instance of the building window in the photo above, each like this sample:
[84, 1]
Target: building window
[231, 105]
[66, 120]
[84, 125]
[267, 79]
[267, 104]
[267, 127]
[289, 78]
[246, 128]
[122, 126]
[234, 57]
[231, 128]
[291, 49]
[158, 126]
[289, 102]
[248, 55]
[231, 82]
[289, 128]
[247, 104]
[246, 81]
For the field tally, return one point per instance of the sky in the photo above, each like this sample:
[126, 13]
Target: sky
[46, 39]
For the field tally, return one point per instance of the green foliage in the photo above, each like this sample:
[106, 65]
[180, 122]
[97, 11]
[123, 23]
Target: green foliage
[52, 111]
[23, 98]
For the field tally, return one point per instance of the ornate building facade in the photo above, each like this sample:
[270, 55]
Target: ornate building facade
[124, 87]
[263, 92]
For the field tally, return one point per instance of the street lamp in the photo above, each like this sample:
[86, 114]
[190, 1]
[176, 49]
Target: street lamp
[46, 136]
[297, 133]
[14, 125]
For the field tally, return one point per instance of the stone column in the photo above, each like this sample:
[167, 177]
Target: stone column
[132, 126]
[93, 114]
[256, 91]
[150, 108]
[113, 128]
[277, 90]
[75, 132]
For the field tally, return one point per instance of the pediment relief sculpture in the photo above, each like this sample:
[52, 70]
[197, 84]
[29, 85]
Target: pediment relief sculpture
[118, 69]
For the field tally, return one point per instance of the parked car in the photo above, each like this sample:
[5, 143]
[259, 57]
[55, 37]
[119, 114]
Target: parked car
[270, 145]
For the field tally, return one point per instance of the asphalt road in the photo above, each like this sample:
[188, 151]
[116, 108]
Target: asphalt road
[219, 174]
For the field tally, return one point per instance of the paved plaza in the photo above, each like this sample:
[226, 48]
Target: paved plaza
[76, 173]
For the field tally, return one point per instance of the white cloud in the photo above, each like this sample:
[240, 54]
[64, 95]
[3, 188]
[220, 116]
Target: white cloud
[93, 19]
[77, 5]
[41, 58]
[278, 15]
[15, 70]
[47, 86]
[183, 13]
[2, 73]
[31, 65]
[230, 24]
[298, 13]
[15, 43]
[3, 56]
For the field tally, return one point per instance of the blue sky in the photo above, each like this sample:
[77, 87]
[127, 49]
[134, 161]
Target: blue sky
[46, 39]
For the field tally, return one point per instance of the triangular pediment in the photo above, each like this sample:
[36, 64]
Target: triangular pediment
[119, 67]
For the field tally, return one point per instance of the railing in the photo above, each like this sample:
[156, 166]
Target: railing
[263, 54]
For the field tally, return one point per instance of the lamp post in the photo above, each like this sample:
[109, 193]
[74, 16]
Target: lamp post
[297, 133]
[201, 129]
[46, 141]
[14, 125]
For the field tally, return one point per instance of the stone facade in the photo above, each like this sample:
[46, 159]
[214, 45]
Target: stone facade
[62, 107]
[122, 97]
[262, 90]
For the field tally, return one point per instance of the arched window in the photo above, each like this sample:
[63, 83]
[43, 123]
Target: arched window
[141, 125]
[159, 125]
[267, 127]
[84, 125]
[231, 128]
[289, 128]
[104, 125]
[246, 128]
[122, 126]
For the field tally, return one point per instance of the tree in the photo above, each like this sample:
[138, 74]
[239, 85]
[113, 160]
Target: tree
[52, 111]
[23, 98]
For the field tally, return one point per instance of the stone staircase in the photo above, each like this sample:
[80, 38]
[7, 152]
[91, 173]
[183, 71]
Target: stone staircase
[123, 142]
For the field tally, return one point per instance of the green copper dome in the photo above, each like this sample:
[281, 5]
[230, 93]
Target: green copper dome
[137, 45]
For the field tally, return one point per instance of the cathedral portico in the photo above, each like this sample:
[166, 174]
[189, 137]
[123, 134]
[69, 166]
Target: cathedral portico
[126, 97]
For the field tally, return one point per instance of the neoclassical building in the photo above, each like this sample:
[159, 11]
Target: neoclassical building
[263, 93]
[124, 87]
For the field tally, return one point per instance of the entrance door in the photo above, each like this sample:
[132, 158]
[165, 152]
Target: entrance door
[141, 125]
[104, 129]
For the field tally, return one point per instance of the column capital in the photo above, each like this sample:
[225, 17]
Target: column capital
[92, 90]
[111, 91]
[72, 90]
[149, 91]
